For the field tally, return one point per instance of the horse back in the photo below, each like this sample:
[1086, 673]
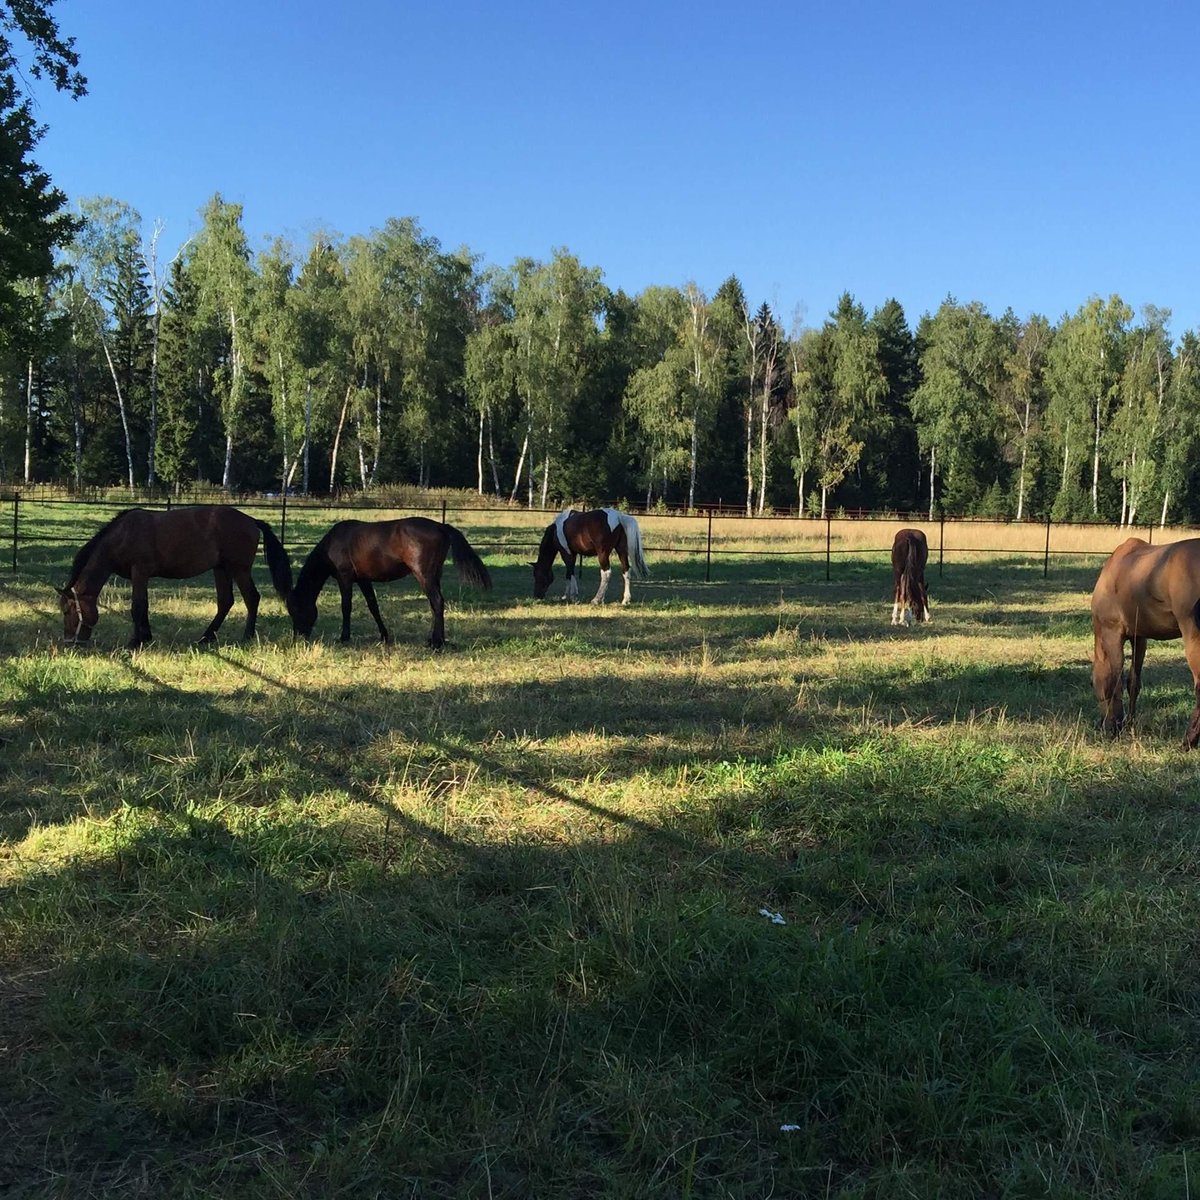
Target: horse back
[182, 542]
[1149, 591]
[381, 551]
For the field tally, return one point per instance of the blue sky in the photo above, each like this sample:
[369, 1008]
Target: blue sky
[1023, 155]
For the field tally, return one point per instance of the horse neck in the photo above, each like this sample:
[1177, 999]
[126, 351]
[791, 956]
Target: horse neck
[316, 570]
[93, 574]
[550, 546]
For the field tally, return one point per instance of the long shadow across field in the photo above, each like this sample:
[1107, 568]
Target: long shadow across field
[330, 1008]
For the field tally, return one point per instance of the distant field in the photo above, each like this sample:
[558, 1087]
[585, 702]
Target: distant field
[313, 920]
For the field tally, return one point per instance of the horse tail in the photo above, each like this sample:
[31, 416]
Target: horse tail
[277, 560]
[911, 596]
[633, 536]
[471, 568]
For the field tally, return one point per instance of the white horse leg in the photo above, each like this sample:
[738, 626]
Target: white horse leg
[908, 615]
[602, 590]
[628, 591]
[896, 612]
[572, 592]
[928, 618]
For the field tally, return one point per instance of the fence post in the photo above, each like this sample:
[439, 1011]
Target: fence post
[1046, 561]
[708, 552]
[941, 540]
[443, 510]
[16, 518]
[1150, 533]
[283, 518]
[828, 542]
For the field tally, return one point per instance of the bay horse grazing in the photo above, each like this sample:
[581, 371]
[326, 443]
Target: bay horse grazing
[598, 532]
[1144, 592]
[140, 545]
[910, 552]
[369, 552]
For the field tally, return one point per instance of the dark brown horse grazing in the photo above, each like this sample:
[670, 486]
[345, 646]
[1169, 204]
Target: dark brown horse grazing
[139, 545]
[600, 532]
[910, 552]
[1144, 592]
[367, 552]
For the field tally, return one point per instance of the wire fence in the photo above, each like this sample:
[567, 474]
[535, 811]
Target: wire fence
[710, 534]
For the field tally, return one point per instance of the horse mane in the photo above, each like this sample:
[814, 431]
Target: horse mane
[549, 546]
[86, 551]
[314, 572]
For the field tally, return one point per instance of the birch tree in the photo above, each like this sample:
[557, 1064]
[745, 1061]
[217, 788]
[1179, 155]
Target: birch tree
[219, 262]
[1083, 374]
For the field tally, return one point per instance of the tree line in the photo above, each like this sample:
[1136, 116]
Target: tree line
[354, 363]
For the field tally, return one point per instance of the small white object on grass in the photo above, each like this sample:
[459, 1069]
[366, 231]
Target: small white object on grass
[774, 917]
[789, 1129]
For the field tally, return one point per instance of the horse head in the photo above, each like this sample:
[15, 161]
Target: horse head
[303, 611]
[80, 614]
[543, 577]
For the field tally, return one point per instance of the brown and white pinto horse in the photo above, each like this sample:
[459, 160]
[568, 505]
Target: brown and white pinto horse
[599, 532]
[910, 552]
[1144, 592]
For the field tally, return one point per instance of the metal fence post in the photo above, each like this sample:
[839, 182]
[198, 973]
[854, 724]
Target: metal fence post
[1150, 533]
[1046, 561]
[16, 519]
[708, 552]
[443, 510]
[828, 542]
[941, 540]
[283, 519]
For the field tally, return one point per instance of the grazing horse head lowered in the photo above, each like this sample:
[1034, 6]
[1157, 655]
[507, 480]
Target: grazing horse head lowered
[910, 552]
[1144, 593]
[370, 552]
[599, 532]
[140, 545]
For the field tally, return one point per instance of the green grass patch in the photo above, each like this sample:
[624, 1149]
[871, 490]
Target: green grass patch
[325, 921]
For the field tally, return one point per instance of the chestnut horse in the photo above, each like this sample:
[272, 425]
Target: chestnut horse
[368, 552]
[598, 532]
[1144, 592]
[181, 543]
[910, 552]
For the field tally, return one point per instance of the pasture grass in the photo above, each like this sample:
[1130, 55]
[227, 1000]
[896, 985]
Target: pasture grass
[314, 920]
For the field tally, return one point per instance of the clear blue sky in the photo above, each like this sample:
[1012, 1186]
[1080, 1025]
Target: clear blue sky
[1026, 154]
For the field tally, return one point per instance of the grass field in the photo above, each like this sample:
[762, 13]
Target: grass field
[323, 921]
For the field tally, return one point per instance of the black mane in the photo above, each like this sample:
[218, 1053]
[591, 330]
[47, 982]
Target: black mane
[88, 548]
[314, 572]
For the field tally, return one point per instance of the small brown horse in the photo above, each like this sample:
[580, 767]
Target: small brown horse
[600, 532]
[1144, 592]
[910, 552]
[139, 545]
[367, 552]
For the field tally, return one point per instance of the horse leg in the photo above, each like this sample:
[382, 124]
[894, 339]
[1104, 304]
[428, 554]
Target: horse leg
[432, 587]
[224, 604]
[140, 612]
[1134, 682]
[623, 555]
[1191, 648]
[895, 595]
[347, 600]
[1108, 660]
[571, 592]
[250, 598]
[605, 575]
[364, 586]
